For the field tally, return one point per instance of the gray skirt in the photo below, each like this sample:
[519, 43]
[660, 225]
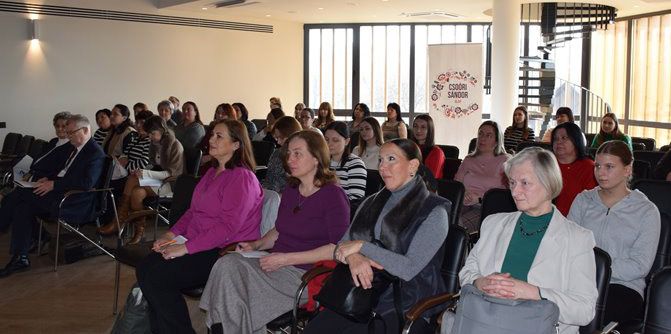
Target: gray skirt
[244, 298]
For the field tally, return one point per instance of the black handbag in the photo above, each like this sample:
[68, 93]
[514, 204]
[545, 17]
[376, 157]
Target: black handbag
[339, 294]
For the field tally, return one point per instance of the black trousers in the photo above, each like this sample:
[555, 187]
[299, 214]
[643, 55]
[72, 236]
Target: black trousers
[328, 321]
[19, 210]
[623, 304]
[161, 282]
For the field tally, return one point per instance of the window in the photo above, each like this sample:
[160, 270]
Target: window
[330, 65]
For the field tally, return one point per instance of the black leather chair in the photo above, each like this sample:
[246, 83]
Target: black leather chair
[456, 251]
[638, 146]
[589, 138]
[649, 143]
[664, 148]
[450, 151]
[373, 181]
[657, 191]
[450, 168]
[453, 191]
[260, 124]
[9, 145]
[526, 144]
[641, 170]
[262, 151]
[354, 140]
[471, 145]
[495, 201]
[591, 151]
[132, 254]
[603, 272]
[37, 148]
[658, 307]
[192, 159]
[651, 157]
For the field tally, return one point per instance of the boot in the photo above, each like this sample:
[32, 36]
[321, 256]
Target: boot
[140, 224]
[122, 212]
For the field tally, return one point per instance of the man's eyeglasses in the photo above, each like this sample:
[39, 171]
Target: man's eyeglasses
[70, 133]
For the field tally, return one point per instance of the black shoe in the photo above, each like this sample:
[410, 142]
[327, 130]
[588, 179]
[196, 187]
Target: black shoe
[17, 264]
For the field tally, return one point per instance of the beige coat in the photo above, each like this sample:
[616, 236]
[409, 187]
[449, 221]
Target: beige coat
[564, 267]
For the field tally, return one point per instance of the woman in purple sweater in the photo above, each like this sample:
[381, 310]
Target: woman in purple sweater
[244, 292]
[225, 208]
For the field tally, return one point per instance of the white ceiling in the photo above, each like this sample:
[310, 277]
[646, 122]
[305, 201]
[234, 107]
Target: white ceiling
[345, 11]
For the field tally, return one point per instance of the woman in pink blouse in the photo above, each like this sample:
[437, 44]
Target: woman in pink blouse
[480, 171]
[225, 208]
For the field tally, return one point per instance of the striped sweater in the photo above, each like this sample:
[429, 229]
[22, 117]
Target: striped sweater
[351, 176]
[137, 151]
[99, 136]
[513, 136]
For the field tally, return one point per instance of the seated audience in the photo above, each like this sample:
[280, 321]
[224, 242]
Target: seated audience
[393, 126]
[536, 253]
[223, 111]
[139, 107]
[423, 135]
[104, 125]
[577, 169]
[348, 167]
[370, 142]
[275, 103]
[266, 134]
[519, 131]
[243, 294]
[610, 130]
[190, 132]
[563, 115]
[117, 142]
[177, 115]
[56, 151]
[80, 171]
[297, 109]
[225, 208]
[165, 109]
[480, 171]
[276, 175]
[325, 116]
[243, 115]
[359, 112]
[625, 224]
[167, 158]
[138, 149]
[411, 223]
[307, 117]
[663, 169]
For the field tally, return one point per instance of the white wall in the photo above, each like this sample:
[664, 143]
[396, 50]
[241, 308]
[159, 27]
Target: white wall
[82, 65]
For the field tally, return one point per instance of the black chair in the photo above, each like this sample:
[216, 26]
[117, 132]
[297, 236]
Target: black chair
[453, 191]
[132, 254]
[649, 143]
[496, 201]
[603, 273]
[589, 138]
[471, 145]
[592, 152]
[638, 146]
[260, 124]
[9, 145]
[103, 192]
[354, 140]
[373, 181]
[525, 144]
[658, 307]
[37, 148]
[450, 151]
[664, 148]
[657, 191]
[641, 170]
[652, 157]
[262, 151]
[23, 146]
[192, 158]
[450, 168]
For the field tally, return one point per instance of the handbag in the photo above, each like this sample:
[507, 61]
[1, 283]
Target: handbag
[339, 294]
[479, 313]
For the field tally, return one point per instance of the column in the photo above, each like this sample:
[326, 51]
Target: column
[505, 60]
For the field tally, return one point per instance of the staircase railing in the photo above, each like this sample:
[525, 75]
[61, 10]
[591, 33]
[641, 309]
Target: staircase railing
[580, 98]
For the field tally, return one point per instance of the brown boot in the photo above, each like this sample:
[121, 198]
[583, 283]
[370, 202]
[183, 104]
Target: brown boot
[140, 224]
[122, 212]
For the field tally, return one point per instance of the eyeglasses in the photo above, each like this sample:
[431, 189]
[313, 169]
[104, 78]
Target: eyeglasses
[70, 133]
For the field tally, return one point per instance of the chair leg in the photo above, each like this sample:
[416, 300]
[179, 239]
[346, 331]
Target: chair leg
[39, 239]
[116, 287]
[76, 231]
[58, 241]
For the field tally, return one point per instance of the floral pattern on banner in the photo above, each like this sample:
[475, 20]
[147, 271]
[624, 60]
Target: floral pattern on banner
[452, 110]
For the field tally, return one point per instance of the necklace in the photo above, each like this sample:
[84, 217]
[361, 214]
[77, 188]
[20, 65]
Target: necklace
[301, 200]
[528, 234]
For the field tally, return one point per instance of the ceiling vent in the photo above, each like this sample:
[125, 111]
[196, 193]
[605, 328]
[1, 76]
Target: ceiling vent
[433, 15]
[233, 3]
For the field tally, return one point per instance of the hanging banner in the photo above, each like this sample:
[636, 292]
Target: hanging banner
[455, 92]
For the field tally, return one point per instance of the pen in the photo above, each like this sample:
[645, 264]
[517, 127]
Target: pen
[167, 243]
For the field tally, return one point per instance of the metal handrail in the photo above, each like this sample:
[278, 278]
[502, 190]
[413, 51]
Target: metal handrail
[593, 105]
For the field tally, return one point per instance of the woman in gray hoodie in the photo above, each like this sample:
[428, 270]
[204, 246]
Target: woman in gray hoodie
[625, 224]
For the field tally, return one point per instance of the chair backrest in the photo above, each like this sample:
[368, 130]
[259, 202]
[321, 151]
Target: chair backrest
[456, 251]
[373, 181]
[181, 196]
[262, 151]
[495, 201]
[354, 140]
[453, 191]
[450, 168]
[603, 272]
[652, 157]
[37, 148]
[471, 145]
[103, 183]
[525, 144]
[664, 148]
[657, 191]
[23, 145]
[260, 124]
[450, 151]
[192, 158]
[641, 170]
[589, 138]
[11, 141]
[638, 146]
[648, 142]
[663, 255]
[658, 307]
[592, 152]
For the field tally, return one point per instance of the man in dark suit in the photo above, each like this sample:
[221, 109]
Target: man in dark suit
[81, 171]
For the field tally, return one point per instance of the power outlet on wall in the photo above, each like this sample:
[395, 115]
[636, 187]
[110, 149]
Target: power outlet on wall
[3, 125]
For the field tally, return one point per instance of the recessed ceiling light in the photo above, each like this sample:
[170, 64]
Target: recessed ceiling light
[636, 6]
[321, 8]
[385, 0]
[204, 8]
[267, 15]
